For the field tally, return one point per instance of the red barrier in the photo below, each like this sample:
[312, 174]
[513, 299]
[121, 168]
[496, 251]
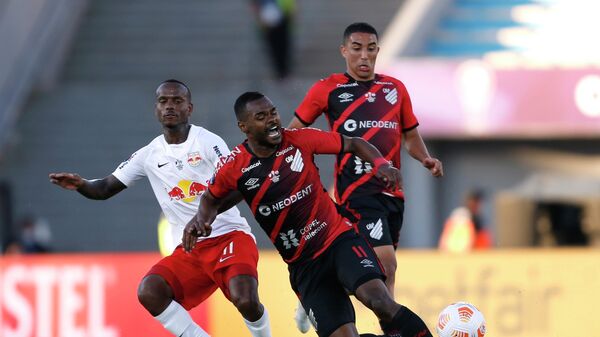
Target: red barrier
[78, 296]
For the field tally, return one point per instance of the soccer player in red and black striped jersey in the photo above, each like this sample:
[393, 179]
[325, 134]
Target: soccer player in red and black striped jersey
[376, 107]
[275, 173]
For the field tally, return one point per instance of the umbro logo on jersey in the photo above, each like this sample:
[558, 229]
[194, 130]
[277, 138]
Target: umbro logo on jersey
[367, 263]
[375, 229]
[392, 96]
[346, 97]
[161, 165]
[297, 164]
[252, 183]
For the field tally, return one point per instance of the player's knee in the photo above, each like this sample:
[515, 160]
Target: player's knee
[246, 302]
[154, 294]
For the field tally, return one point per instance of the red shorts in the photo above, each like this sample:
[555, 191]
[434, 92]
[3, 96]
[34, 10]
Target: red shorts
[211, 264]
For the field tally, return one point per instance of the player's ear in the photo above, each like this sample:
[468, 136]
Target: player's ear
[343, 50]
[242, 126]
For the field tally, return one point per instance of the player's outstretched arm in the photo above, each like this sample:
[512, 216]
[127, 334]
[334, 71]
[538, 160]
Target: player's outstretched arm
[200, 224]
[382, 168]
[416, 148]
[97, 189]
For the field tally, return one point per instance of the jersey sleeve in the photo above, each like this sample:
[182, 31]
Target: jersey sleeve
[133, 168]
[321, 142]
[223, 181]
[313, 105]
[407, 117]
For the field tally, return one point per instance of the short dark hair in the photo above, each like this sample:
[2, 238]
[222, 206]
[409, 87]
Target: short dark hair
[359, 27]
[172, 80]
[240, 103]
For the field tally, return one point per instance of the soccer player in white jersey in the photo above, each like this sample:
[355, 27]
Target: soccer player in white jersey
[178, 165]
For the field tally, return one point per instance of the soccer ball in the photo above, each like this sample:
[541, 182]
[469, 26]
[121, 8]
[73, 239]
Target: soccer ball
[461, 319]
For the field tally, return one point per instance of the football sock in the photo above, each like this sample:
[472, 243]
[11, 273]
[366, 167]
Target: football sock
[406, 324]
[260, 327]
[179, 322]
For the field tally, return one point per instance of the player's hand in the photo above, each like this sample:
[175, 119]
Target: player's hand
[194, 228]
[434, 166]
[70, 181]
[390, 176]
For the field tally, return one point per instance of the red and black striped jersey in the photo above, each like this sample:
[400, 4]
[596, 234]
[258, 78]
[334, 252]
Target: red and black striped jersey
[284, 192]
[378, 111]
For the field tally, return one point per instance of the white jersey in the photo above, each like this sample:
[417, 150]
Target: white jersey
[179, 173]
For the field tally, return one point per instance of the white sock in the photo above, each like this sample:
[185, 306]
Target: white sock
[179, 322]
[261, 327]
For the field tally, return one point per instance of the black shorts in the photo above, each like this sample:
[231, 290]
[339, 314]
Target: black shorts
[323, 284]
[380, 218]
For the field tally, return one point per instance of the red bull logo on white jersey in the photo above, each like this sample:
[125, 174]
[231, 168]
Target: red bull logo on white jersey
[194, 159]
[186, 190]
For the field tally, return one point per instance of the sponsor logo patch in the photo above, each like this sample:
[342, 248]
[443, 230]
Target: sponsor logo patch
[375, 229]
[346, 97]
[194, 159]
[392, 96]
[251, 183]
[371, 96]
[297, 164]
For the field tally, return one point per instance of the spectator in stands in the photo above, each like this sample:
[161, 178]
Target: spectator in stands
[275, 18]
[464, 230]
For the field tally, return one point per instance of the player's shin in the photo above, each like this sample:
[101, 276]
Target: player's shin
[260, 327]
[179, 322]
[405, 323]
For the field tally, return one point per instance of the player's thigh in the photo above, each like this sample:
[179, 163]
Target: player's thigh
[325, 300]
[239, 257]
[356, 261]
[186, 276]
[395, 219]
